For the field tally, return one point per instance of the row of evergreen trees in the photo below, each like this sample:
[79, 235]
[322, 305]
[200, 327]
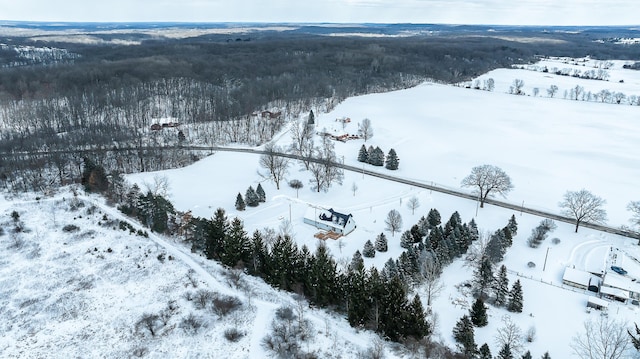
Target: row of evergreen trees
[375, 156]
[252, 198]
[371, 299]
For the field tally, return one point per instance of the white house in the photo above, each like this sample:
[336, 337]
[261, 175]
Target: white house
[330, 220]
[619, 287]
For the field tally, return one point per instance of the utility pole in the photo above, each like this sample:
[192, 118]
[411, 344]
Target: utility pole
[545, 260]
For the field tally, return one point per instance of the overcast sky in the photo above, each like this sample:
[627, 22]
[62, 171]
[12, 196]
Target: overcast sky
[495, 12]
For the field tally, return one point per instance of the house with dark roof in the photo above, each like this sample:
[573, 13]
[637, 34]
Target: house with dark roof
[330, 220]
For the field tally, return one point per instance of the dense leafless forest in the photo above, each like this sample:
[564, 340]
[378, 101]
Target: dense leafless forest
[61, 101]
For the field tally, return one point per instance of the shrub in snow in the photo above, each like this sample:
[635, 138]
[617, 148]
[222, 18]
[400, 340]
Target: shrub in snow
[70, 228]
[287, 332]
[541, 232]
[233, 334]
[202, 298]
[150, 324]
[531, 265]
[191, 324]
[223, 304]
[555, 240]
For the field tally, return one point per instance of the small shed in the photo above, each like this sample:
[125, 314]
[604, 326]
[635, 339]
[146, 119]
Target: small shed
[597, 303]
[330, 220]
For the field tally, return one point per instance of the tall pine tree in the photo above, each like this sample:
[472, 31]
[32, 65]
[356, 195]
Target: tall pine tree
[484, 352]
[513, 225]
[483, 277]
[417, 325]
[478, 313]
[251, 197]
[240, 205]
[381, 243]
[505, 352]
[216, 234]
[501, 287]
[392, 162]
[236, 249]
[369, 251]
[515, 298]
[465, 337]
[262, 197]
[363, 155]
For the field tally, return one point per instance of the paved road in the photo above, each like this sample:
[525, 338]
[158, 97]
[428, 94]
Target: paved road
[452, 192]
[419, 184]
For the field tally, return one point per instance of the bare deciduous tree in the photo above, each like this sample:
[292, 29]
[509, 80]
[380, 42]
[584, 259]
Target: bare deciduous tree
[552, 90]
[393, 221]
[324, 171]
[431, 270]
[276, 165]
[413, 204]
[634, 207]
[517, 86]
[365, 130]
[354, 188]
[583, 206]
[603, 338]
[488, 179]
[510, 334]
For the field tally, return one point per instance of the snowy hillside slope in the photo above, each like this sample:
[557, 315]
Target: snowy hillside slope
[75, 285]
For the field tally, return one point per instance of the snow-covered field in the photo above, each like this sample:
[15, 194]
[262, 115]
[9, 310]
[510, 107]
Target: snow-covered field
[547, 146]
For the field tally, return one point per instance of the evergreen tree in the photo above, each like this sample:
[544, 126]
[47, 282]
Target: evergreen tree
[546, 356]
[483, 277]
[417, 325]
[285, 264]
[406, 240]
[236, 249]
[369, 251]
[478, 313]
[392, 162]
[375, 290]
[515, 298]
[473, 230]
[505, 352]
[390, 269]
[324, 286]
[508, 237]
[370, 154]
[94, 177]
[358, 297]
[376, 156]
[464, 336]
[434, 218]
[251, 197]
[363, 155]
[423, 226]
[257, 265]
[216, 234]
[501, 287]
[513, 225]
[496, 248]
[262, 197]
[416, 234]
[356, 261]
[154, 212]
[240, 205]
[393, 306]
[311, 122]
[381, 243]
[527, 355]
[484, 352]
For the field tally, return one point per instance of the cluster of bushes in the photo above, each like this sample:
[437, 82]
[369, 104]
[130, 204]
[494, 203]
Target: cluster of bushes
[541, 232]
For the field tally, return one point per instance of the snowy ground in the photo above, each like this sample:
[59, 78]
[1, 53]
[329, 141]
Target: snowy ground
[547, 146]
